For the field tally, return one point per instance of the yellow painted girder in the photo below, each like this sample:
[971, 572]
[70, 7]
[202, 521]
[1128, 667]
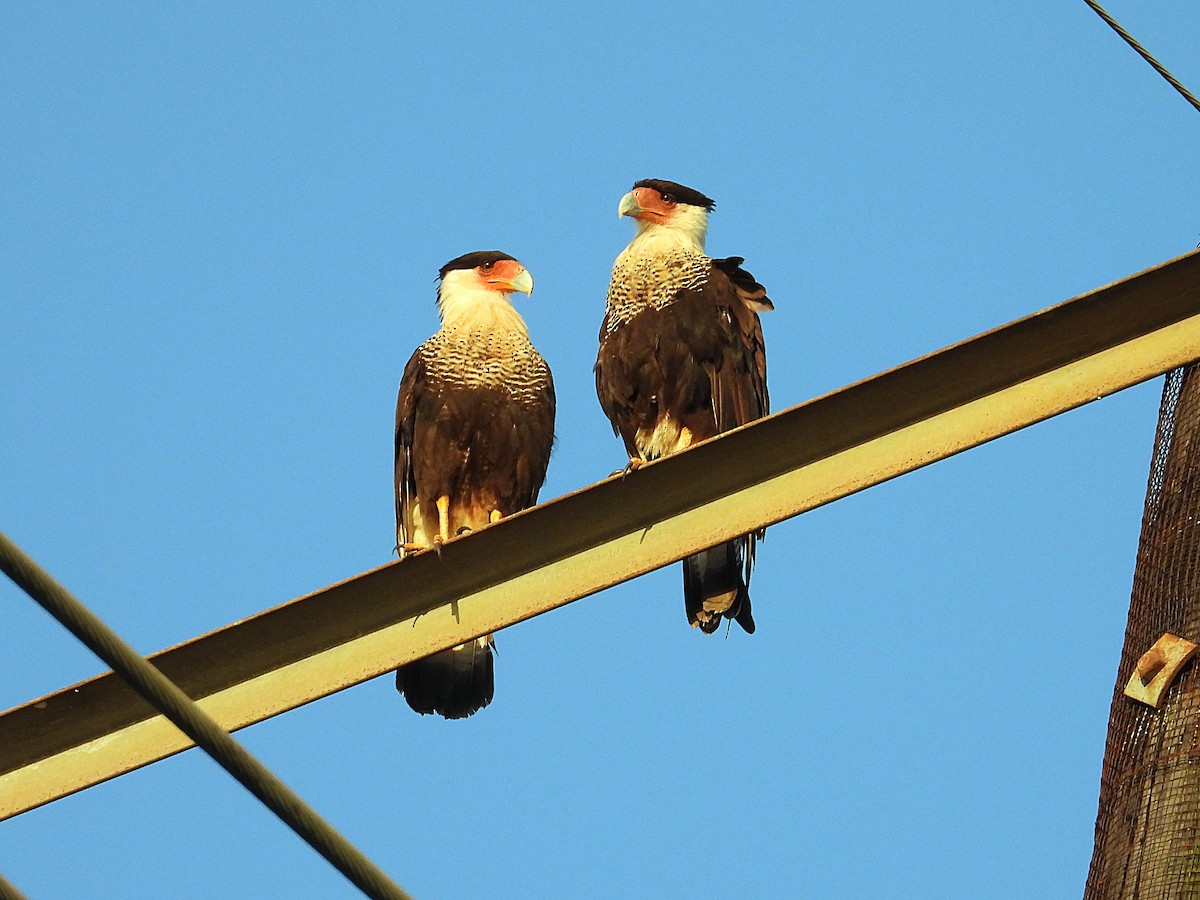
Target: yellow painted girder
[793, 461]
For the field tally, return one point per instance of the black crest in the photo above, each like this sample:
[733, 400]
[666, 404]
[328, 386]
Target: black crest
[473, 259]
[677, 192]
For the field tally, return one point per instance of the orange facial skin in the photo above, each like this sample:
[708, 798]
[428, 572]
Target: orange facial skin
[651, 205]
[506, 275]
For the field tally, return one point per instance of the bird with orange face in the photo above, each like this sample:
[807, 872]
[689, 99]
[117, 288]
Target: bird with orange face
[474, 430]
[682, 359]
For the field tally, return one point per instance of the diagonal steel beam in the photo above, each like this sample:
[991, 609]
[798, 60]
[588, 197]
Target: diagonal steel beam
[793, 461]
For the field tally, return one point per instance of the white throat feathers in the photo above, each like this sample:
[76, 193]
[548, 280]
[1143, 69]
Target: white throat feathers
[465, 304]
[686, 230]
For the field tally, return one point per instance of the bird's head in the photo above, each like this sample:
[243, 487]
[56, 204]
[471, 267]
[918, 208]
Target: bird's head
[480, 284]
[487, 270]
[656, 204]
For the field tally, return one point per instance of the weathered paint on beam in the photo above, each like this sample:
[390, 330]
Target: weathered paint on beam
[796, 460]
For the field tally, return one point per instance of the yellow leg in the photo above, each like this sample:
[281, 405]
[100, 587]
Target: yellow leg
[495, 516]
[443, 508]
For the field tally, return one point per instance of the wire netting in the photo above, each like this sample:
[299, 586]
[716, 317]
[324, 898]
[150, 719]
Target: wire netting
[1149, 810]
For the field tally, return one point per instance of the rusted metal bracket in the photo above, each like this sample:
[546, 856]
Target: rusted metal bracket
[1157, 668]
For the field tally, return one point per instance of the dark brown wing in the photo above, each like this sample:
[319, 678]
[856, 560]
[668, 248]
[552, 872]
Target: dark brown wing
[700, 359]
[411, 384]
[738, 371]
[621, 371]
[540, 426]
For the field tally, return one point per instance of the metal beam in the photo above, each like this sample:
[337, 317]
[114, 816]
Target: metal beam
[793, 461]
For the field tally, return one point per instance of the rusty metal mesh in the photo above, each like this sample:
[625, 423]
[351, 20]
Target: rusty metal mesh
[1146, 827]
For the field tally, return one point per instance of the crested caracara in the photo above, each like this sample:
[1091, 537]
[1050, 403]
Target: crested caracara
[474, 429]
[682, 359]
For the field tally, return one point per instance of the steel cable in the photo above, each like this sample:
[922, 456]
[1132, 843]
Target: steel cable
[167, 698]
[1145, 54]
[8, 892]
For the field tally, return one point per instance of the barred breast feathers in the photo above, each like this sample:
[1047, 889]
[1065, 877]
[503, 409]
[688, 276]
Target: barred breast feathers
[476, 357]
[641, 280]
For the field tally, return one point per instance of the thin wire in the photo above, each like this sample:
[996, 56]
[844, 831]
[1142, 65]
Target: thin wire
[1145, 54]
[8, 892]
[167, 698]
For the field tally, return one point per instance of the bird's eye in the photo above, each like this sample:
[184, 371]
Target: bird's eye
[487, 266]
[667, 198]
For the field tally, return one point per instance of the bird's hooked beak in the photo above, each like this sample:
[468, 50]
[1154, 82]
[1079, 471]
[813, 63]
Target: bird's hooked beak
[520, 282]
[629, 206]
[523, 283]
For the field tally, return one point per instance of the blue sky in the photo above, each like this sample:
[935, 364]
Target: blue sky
[223, 222]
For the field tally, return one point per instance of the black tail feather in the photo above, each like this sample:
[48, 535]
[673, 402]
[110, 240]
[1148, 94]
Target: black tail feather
[453, 683]
[715, 587]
